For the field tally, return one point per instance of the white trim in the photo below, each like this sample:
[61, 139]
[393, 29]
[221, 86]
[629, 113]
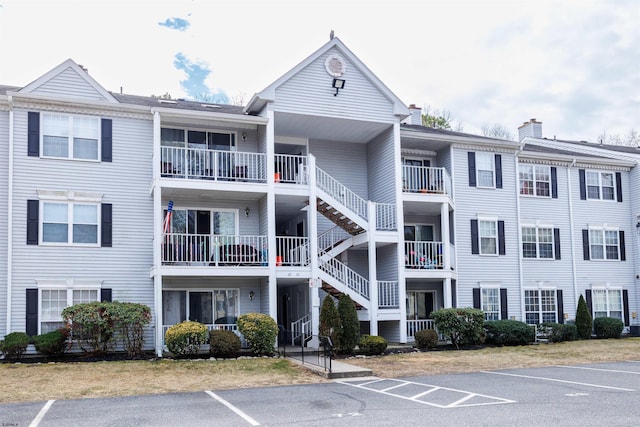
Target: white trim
[69, 196]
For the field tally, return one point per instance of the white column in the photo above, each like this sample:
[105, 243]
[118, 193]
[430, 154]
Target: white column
[272, 282]
[312, 221]
[157, 235]
[9, 301]
[446, 293]
[444, 231]
[373, 281]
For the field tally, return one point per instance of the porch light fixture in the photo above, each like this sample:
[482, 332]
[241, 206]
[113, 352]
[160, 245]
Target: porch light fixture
[337, 85]
[251, 295]
[247, 211]
[244, 136]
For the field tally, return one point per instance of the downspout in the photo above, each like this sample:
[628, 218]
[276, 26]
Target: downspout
[519, 233]
[10, 218]
[573, 246]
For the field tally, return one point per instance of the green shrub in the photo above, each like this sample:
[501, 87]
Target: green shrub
[426, 338]
[330, 321]
[607, 327]
[509, 332]
[52, 343]
[260, 331]
[92, 325]
[130, 319]
[14, 345]
[185, 338]
[584, 322]
[559, 332]
[372, 344]
[463, 326]
[224, 344]
[349, 325]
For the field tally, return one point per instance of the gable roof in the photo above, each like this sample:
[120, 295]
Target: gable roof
[260, 99]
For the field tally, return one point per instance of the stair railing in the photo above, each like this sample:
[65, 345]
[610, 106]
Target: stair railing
[342, 194]
[301, 328]
[344, 275]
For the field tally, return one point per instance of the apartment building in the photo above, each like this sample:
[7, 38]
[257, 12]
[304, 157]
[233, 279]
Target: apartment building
[324, 183]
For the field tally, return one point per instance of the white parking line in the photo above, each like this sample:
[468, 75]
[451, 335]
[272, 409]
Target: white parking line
[40, 416]
[599, 369]
[557, 380]
[246, 417]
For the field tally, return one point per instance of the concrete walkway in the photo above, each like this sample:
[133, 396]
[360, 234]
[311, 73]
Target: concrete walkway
[339, 369]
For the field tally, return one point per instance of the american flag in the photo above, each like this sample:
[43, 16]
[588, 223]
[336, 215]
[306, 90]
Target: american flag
[166, 228]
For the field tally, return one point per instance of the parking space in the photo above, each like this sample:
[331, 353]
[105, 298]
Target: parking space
[568, 395]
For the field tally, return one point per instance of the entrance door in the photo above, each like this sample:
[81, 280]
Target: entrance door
[420, 304]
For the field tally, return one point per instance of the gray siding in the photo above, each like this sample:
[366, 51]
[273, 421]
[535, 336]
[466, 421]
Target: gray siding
[389, 330]
[382, 168]
[4, 179]
[387, 263]
[69, 84]
[345, 162]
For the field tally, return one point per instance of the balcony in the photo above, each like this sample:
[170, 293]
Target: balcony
[214, 250]
[423, 255]
[426, 180]
[291, 169]
[292, 251]
[191, 163]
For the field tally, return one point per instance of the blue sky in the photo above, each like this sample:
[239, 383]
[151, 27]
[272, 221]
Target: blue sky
[574, 65]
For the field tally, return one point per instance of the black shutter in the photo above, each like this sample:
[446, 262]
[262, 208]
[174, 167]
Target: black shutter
[32, 312]
[560, 306]
[504, 312]
[476, 298]
[107, 140]
[498, 170]
[501, 244]
[619, 186]
[475, 246]
[33, 207]
[583, 185]
[105, 294]
[33, 134]
[107, 226]
[625, 306]
[587, 298]
[585, 245]
[554, 183]
[556, 242]
[471, 157]
[623, 251]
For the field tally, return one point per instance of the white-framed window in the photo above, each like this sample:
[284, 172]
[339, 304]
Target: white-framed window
[485, 169]
[537, 242]
[55, 298]
[70, 137]
[535, 180]
[600, 185]
[488, 236]
[207, 306]
[490, 303]
[72, 223]
[604, 244]
[607, 303]
[540, 306]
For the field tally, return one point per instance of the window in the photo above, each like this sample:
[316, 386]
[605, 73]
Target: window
[485, 168]
[70, 223]
[607, 303]
[600, 185]
[540, 306]
[70, 137]
[217, 306]
[537, 242]
[54, 300]
[604, 244]
[488, 233]
[535, 180]
[491, 303]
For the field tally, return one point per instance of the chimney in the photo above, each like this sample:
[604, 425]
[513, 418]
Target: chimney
[415, 115]
[532, 128]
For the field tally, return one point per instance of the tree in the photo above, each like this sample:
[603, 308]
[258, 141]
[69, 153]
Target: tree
[497, 131]
[440, 119]
[584, 322]
[330, 321]
[349, 325]
[632, 139]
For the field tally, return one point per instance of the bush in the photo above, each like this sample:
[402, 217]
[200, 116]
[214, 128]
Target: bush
[426, 338]
[91, 324]
[52, 343]
[330, 321]
[130, 319]
[260, 331]
[372, 344]
[509, 332]
[185, 338]
[224, 344]
[349, 325]
[463, 326]
[584, 322]
[14, 345]
[559, 332]
[608, 327]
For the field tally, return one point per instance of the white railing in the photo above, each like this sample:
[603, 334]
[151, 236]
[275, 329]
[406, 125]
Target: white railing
[215, 327]
[344, 275]
[386, 216]
[414, 326]
[422, 179]
[342, 194]
[214, 250]
[331, 238]
[388, 296]
[291, 169]
[425, 255]
[301, 328]
[180, 162]
[292, 251]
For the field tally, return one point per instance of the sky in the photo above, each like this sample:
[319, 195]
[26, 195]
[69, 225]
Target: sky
[574, 65]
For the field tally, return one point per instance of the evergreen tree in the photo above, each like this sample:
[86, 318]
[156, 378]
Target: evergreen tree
[584, 322]
[330, 321]
[349, 325]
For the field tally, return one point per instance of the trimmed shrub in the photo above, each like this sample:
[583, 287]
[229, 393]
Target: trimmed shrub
[185, 338]
[224, 344]
[426, 338]
[260, 331]
[607, 327]
[92, 325]
[52, 343]
[330, 321]
[584, 322]
[14, 345]
[349, 325]
[463, 326]
[559, 332]
[130, 321]
[509, 332]
[372, 344]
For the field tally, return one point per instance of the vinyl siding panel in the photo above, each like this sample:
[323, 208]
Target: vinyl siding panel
[69, 84]
[4, 179]
[345, 162]
[382, 168]
[389, 330]
[386, 263]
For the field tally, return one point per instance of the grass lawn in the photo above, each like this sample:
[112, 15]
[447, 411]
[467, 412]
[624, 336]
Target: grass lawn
[21, 382]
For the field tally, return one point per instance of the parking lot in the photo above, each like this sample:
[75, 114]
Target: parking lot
[605, 394]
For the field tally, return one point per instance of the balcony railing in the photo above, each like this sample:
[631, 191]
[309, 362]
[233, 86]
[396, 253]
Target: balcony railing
[292, 251]
[214, 250]
[192, 163]
[233, 327]
[424, 255]
[291, 169]
[386, 216]
[422, 179]
[388, 296]
[414, 326]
